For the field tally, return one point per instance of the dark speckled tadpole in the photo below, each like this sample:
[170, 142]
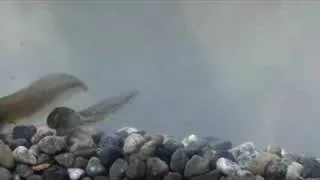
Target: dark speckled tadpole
[64, 119]
[42, 94]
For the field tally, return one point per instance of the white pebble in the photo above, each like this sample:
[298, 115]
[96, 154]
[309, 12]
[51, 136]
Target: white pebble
[227, 167]
[191, 138]
[75, 173]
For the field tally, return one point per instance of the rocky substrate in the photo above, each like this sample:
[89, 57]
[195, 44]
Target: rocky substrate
[38, 154]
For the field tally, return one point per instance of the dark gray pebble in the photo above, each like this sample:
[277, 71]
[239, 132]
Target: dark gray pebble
[24, 132]
[100, 178]
[212, 175]
[197, 165]
[136, 168]
[275, 170]
[86, 178]
[110, 140]
[118, 169]
[35, 177]
[13, 143]
[311, 167]
[156, 168]
[80, 162]
[55, 172]
[179, 160]
[15, 177]
[108, 154]
[86, 153]
[23, 170]
[65, 159]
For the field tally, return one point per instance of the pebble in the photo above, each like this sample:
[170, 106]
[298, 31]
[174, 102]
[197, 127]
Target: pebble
[311, 167]
[5, 174]
[245, 153]
[43, 158]
[108, 154]
[196, 166]
[52, 144]
[136, 168]
[132, 143]
[227, 167]
[275, 170]
[35, 177]
[6, 158]
[191, 138]
[41, 133]
[259, 164]
[75, 173]
[24, 132]
[156, 168]
[118, 169]
[55, 173]
[65, 159]
[40, 167]
[80, 162]
[13, 143]
[23, 155]
[80, 140]
[179, 160]
[94, 167]
[173, 176]
[212, 175]
[24, 170]
[294, 171]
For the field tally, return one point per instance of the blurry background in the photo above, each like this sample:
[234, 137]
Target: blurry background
[238, 71]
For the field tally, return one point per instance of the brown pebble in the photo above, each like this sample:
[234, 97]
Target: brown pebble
[173, 176]
[40, 167]
[257, 165]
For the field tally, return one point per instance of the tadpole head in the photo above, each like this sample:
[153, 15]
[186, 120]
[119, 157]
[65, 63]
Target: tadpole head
[60, 117]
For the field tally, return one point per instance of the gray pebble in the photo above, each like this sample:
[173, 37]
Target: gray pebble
[80, 140]
[197, 165]
[41, 133]
[65, 159]
[80, 162]
[275, 170]
[94, 167]
[212, 175]
[52, 144]
[136, 168]
[35, 177]
[179, 160]
[245, 153]
[34, 150]
[133, 142]
[43, 158]
[5, 174]
[23, 170]
[23, 155]
[118, 169]
[156, 167]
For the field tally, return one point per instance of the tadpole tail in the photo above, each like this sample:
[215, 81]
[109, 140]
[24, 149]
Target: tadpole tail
[107, 106]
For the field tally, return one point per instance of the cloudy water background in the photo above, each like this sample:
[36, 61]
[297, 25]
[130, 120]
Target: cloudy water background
[238, 71]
